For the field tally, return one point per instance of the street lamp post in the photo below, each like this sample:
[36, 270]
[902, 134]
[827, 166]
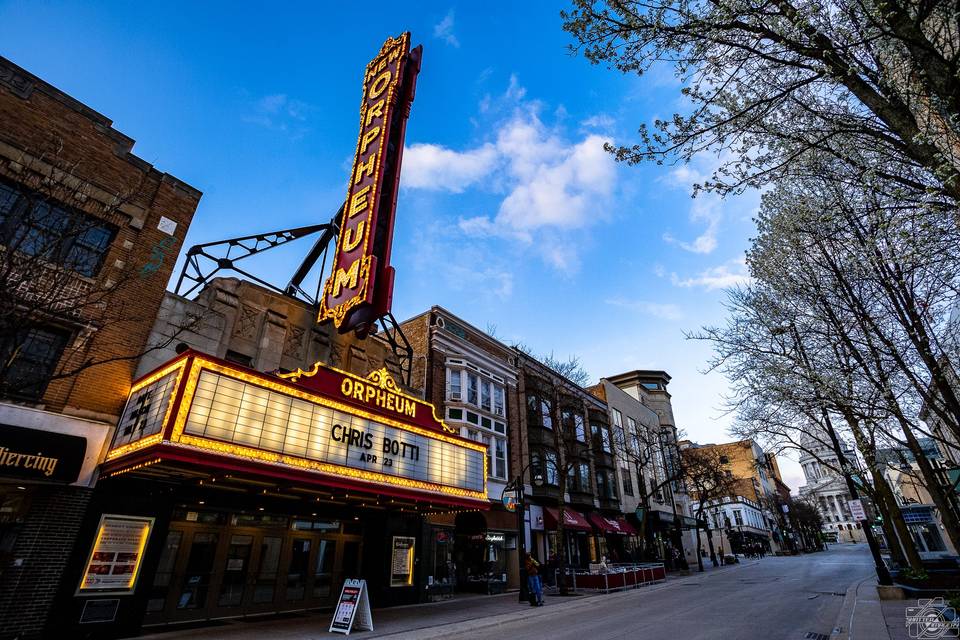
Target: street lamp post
[516, 485]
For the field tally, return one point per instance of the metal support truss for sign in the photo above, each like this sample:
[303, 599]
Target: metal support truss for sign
[206, 261]
[393, 335]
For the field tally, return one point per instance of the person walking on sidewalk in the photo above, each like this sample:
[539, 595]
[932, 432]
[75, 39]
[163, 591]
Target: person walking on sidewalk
[533, 581]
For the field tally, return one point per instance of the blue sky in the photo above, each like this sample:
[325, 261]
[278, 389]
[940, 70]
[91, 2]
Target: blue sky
[510, 213]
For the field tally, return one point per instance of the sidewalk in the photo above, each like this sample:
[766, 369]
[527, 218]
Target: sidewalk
[861, 617]
[419, 621]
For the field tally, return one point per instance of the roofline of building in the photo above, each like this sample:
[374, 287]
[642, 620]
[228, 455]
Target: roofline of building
[636, 374]
[22, 84]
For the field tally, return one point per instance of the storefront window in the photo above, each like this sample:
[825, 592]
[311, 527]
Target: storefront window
[14, 505]
[442, 571]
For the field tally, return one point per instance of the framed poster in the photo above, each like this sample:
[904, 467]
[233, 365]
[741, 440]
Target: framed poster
[401, 562]
[117, 553]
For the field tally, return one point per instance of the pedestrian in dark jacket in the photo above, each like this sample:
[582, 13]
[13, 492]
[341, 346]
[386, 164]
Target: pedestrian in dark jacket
[533, 581]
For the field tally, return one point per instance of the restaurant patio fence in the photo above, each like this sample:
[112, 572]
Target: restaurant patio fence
[617, 577]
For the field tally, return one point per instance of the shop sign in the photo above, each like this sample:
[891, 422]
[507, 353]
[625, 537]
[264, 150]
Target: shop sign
[640, 512]
[353, 608]
[32, 454]
[494, 537]
[510, 501]
[378, 392]
[323, 421]
[360, 287]
[401, 563]
[117, 553]
[327, 435]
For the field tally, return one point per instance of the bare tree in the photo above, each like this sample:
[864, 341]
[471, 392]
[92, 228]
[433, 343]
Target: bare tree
[704, 471]
[57, 289]
[652, 451]
[557, 402]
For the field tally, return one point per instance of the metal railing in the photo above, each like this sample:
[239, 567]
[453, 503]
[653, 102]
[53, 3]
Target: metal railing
[618, 577]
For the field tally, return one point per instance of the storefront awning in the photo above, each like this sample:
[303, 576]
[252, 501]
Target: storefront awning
[617, 526]
[571, 520]
[626, 527]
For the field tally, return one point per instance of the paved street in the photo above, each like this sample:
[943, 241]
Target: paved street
[769, 599]
[784, 597]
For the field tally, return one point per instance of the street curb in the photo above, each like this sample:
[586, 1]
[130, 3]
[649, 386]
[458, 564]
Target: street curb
[846, 618]
[443, 630]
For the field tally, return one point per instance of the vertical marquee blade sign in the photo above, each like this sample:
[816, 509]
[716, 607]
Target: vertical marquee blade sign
[360, 287]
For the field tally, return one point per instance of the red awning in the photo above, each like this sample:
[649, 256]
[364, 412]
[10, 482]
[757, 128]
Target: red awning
[626, 527]
[611, 525]
[571, 520]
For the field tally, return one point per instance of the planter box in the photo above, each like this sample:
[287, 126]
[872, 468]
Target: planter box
[890, 592]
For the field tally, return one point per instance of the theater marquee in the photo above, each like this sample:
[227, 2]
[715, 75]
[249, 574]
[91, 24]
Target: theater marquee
[360, 287]
[326, 425]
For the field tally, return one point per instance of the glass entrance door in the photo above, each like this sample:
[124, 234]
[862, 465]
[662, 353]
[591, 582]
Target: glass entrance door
[191, 581]
[208, 571]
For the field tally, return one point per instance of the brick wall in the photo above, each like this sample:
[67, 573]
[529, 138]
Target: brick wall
[45, 543]
[54, 145]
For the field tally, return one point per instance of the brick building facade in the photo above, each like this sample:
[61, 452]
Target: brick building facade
[89, 234]
[472, 380]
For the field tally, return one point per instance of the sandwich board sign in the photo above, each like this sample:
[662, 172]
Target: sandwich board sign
[353, 608]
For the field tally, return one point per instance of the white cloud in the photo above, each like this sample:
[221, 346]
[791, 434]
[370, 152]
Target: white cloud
[664, 311]
[475, 274]
[550, 185]
[434, 167]
[280, 112]
[723, 276]
[706, 208]
[444, 30]
[599, 121]
[558, 185]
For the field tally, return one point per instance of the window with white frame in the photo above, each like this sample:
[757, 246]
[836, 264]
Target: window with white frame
[485, 403]
[500, 458]
[472, 384]
[498, 404]
[492, 434]
[455, 392]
